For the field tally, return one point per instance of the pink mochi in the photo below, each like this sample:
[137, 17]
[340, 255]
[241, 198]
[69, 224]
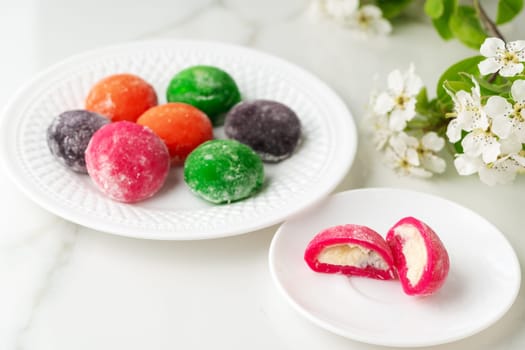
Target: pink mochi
[350, 250]
[127, 161]
[420, 257]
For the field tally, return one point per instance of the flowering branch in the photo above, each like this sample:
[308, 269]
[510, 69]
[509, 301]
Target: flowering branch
[484, 120]
[479, 106]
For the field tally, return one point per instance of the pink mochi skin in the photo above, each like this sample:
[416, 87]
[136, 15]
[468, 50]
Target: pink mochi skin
[436, 269]
[354, 235]
[127, 161]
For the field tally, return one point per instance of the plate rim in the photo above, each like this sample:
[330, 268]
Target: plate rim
[351, 143]
[399, 344]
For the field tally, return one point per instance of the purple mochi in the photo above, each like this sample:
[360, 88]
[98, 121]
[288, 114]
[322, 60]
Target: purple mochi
[270, 128]
[69, 134]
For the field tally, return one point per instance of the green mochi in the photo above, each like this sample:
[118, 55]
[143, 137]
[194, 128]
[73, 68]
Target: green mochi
[223, 171]
[208, 88]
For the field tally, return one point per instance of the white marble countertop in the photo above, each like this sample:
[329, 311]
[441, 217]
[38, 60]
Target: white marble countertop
[63, 286]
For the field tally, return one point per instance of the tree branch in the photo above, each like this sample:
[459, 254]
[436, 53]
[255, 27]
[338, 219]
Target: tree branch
[489, 25]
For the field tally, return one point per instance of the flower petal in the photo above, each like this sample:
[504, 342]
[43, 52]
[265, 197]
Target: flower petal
[384, 103]
[433, 163]
[497, 106]
[464, 99]
[382, 27]
[395, 82]
[454, 131]
[371, 11]
[491, 47]
[518, 91]
[471, 145]
[519, 159]
[488, 66]
[501, 126]
[412, 157]
[491, 152]
[479, 121]
[432, 141]
[413, 84]
[392, 158]
[476, 90]
[380, 138]
[410, 141]
[518, 128]
[521, 55]
[398, 144]
[339, 9]
[510, 145]
[481, 143]
[501, 172]
[516, 46]
[466, 165]
[419, 172]
[399, 118]
[511, 69]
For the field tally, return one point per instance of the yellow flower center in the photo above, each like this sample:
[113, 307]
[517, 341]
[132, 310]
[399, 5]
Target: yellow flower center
[401, 101]
[518, 108]
[510, 57]
[404, 164]
[363, 20]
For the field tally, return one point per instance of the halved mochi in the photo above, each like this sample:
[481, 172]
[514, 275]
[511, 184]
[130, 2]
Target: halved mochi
[350, 250]
[419, 255]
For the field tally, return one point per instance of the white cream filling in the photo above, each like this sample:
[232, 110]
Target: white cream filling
[351, 255]
[414, 250]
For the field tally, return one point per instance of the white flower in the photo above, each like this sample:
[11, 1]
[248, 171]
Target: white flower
[409, 156]
[467, 165]
[507, 119]
[403, 157]
[382, 132]
[502, 171]
[502, 57]
[399, 101]
[481, 143]
[469, 112]
[339, 10]
[369, 20]
[427, 149]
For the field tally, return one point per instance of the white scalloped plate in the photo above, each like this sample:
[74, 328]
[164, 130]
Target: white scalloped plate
[482, 284]
[319, 164]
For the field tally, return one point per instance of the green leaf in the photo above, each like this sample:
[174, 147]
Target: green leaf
[392, 8]
[441, 23]
[455, 76]
[497, 87]
[457, 85]
[454, 73]
[465, 26]
[422, 103]
[507, 10]
[434, 8]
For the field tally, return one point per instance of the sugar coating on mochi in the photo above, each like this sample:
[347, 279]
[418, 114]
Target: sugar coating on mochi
[208, 88]
[270, 128]
[181, 126]
[223, 171]
[68, 136]
[121, 97]
[350, 249]
[127, 161]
